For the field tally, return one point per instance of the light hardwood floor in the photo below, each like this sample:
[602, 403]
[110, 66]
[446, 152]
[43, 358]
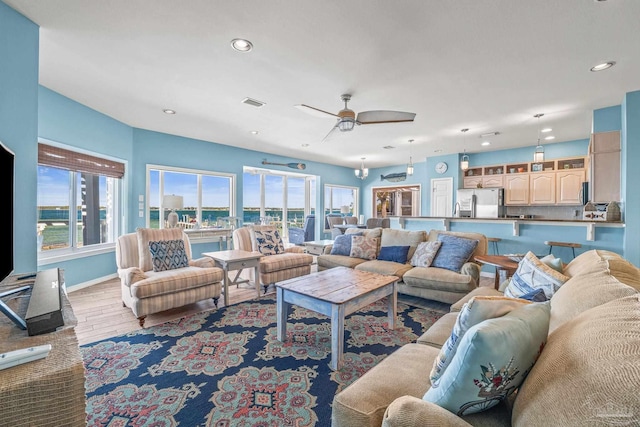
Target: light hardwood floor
[101, 315]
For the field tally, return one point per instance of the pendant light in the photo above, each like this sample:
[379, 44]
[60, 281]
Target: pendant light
[464, 162]
[410, 165]
[538, 155]
[363, 172]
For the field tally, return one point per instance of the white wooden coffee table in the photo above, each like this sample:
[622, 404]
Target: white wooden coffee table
[336, 293]
[235, 259]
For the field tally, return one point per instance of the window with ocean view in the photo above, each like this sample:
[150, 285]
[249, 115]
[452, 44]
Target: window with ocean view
[339, 199]
[78, 199]
[207, 197]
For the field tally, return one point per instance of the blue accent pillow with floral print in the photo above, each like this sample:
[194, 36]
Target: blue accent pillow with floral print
[492, 360]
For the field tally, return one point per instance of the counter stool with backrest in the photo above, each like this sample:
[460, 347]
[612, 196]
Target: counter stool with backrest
[494, 241]
[573, 246]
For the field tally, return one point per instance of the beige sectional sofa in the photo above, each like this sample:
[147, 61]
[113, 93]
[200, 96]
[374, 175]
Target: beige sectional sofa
[587, 374]
[433, 283]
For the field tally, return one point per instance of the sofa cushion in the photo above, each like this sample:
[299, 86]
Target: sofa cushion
[173, 281]
[284, 261]
[438, 279]
[533, 274]
[393, 237]
[477, 310]
[364, 402]
[393, 253]
[341, 245]
[146, 235]
[331, 261]
[454, 252]
[425, 253]
[168, 255]
[584, 292]
[492, 360]
[364, 247]
[439, 332]
[589, 371]
[386, 268]
[268, 242]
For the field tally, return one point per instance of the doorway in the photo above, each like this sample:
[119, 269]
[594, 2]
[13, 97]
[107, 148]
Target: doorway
[441, 197]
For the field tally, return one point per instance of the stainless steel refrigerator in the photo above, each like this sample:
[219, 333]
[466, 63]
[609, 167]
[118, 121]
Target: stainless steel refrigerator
[480, 203]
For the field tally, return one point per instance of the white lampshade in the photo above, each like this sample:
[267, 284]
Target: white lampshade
[173, 202]
[345, 209]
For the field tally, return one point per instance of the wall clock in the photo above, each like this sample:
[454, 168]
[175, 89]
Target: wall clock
[441, 167]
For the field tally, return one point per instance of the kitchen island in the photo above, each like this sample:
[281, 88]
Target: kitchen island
[520, 235]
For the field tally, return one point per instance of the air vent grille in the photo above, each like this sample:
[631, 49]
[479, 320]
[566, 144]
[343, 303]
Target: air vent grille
[253, 102]
[388, 147]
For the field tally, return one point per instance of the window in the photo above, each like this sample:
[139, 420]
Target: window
[207, 197]
[340, 200]
[270, 196]
[396, 201]
[79, 200]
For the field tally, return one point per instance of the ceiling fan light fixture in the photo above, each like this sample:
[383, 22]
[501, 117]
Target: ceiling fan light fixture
[346, 124]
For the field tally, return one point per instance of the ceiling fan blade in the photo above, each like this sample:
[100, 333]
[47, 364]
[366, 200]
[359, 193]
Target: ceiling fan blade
[330, 132]
[314, 111]
[381, 116]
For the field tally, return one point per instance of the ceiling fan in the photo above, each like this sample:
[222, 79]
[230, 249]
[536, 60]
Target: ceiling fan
[346, 118]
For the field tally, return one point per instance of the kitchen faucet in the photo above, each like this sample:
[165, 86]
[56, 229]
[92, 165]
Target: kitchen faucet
[456, 209]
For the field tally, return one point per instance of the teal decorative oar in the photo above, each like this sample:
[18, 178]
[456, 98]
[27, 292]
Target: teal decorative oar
[300, 166]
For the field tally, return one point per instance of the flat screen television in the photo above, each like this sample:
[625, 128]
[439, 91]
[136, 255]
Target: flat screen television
[6, 211]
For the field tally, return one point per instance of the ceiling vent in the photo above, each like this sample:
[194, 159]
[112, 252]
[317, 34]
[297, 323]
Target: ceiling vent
[253, 102]
[388, 147]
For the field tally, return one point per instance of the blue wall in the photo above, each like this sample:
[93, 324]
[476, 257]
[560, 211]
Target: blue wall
[19, 127]
[629, 170]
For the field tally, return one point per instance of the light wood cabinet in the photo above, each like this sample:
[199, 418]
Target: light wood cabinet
[542, 188]
[604, 153]
[472, 181]
[569, 187]
[516, 189]
[493, 181]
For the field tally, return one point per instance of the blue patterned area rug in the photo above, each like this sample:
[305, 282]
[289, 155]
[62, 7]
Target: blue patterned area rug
[226, 368]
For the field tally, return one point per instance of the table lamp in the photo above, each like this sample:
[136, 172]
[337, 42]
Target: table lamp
[172, 202]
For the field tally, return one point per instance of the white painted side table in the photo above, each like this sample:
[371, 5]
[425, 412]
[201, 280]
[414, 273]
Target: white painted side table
[316, 247]
[236, 260]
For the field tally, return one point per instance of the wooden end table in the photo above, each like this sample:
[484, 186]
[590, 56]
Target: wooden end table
[336, 293]
[235, 259]
[505, 266]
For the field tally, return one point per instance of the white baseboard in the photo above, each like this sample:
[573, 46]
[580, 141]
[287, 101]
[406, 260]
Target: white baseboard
[91, 282]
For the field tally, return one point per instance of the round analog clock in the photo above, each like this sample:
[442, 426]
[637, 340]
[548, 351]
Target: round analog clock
[441, 167]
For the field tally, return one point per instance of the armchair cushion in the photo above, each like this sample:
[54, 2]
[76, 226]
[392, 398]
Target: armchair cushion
[454, 252]
[168, 255]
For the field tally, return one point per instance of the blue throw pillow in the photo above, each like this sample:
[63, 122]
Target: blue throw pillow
[394, 253]
[454, 252]
[168, 255]
[342, 244]
[537, 295]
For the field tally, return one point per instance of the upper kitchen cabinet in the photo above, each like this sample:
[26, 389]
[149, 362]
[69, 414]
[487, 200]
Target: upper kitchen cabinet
[604, 155]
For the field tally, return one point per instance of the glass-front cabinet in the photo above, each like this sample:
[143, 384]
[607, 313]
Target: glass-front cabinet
[396, 201]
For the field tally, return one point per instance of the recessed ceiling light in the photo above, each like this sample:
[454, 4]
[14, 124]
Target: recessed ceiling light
[437, 151]
[545, 130]
[603, 66]
[485, 143]
[241, 45]
[169, 111]
[550, 137]
[305, 145]
[253, 132]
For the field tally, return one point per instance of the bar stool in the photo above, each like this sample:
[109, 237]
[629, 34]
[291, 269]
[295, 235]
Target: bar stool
[495, 241]
[573, 246]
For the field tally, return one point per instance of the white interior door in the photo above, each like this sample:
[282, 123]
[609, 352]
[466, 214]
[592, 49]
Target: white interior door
[442, 197]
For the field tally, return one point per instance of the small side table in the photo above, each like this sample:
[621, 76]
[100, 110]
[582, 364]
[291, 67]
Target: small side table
[235, 259]
[505, 266]
[317, 246]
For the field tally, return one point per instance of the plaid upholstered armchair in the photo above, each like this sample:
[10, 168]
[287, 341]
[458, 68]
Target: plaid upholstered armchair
[157, 273]
[278, 263]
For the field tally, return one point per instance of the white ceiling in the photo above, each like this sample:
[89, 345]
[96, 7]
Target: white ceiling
[485, 65]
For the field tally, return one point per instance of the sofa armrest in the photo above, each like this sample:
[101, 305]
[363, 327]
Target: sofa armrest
[131, 275]
[327, 249]
[473, 270]
[410, 411]
[204, 262]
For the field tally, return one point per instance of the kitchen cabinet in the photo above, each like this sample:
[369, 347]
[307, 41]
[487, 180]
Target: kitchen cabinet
[542, 188]
[604, 154]
[569, 187]
[472, 181]
[493, 181]
[516, 189]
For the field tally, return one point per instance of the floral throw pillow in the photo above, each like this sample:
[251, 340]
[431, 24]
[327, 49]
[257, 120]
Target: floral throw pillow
[364, 247]
[269, 242]
[168, 255]
[425, 253]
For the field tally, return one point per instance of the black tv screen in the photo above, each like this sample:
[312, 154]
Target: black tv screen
[6, 212]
